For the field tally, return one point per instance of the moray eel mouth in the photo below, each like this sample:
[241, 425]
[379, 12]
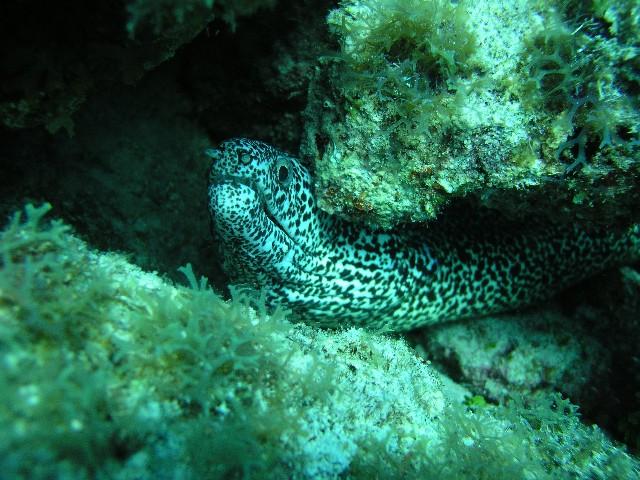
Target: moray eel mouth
[229, 179]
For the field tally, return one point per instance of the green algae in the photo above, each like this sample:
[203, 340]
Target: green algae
[110, 372]
[503, 105]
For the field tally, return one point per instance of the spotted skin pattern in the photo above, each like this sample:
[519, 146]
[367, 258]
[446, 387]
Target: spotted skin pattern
[333, 273]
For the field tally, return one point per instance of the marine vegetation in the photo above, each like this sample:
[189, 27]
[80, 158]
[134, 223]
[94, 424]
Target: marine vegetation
[111, 372]
[521, 106]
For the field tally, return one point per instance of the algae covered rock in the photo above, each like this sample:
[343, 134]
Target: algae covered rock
[111, 372]
[109, 369]
[527, 107]
[525, 353]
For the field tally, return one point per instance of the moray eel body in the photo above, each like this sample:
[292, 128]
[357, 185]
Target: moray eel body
[334, 273]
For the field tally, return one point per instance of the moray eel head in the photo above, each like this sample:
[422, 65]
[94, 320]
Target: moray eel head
[260, 200]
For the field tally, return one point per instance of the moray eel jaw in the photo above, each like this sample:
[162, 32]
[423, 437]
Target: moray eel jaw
[234, 201]
[247, 232]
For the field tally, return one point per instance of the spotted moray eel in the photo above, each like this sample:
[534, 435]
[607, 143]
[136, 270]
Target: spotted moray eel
[334, 273]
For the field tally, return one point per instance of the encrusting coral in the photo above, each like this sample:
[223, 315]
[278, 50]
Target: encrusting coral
[111, 372]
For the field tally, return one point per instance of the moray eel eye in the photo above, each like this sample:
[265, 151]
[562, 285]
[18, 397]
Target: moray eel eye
[283, 174]
[244, 158]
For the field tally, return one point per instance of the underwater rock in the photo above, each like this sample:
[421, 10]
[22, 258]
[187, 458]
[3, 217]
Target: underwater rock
[524, 353]
[63, 53]
[111, 371]
[527, 107]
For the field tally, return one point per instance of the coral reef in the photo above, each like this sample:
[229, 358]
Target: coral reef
[110, 371]
[528, 107]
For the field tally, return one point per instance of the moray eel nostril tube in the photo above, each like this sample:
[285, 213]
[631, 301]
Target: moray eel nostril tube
[334, 273]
